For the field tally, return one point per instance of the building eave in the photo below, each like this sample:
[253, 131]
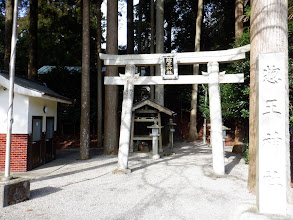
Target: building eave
[31, 92]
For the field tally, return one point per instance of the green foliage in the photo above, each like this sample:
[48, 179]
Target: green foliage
[244, 39]
[247, 11]
[59, 34]
[182, 17]
[204, 101]
[234, 97]
[246, 156]
[218, 26]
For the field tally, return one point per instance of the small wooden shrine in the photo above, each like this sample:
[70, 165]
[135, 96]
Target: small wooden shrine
[147, 112]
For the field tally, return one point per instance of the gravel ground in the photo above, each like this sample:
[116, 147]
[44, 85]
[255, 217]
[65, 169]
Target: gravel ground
[177, 186]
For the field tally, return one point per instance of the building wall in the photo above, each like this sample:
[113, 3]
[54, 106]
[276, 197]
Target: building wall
[19, 149]
[24, 109]
[20, 113]
[36, 106]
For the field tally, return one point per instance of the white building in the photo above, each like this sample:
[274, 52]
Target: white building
[34, 123]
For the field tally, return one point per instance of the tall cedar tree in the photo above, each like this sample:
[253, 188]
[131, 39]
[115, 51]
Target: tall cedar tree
[8, 32]
[152, 46]
[33, 41]
[85, 84]
[238, 18]
[239, 127]
[139, 30]
[159, 47]
[111, 132]
[193, 113]
[99, 77]
[130, 27]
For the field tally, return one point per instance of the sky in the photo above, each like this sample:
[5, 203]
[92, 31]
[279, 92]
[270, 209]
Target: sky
[122, 22]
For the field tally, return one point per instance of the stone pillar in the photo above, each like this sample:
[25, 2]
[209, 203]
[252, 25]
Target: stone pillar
[171, 125]
[172, 130]
[216, 119]
[155, 146]
[124, 141]
[272, 128]
[155, 134]
[132, 133]
[160, 133]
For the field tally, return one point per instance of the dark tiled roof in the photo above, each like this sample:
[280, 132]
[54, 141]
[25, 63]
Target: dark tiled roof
[33, 85]
[47, 69]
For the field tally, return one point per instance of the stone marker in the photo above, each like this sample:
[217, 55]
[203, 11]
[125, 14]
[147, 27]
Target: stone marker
[272, 125]
[14, 191]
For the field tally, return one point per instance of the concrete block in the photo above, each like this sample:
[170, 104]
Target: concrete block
[14, 191]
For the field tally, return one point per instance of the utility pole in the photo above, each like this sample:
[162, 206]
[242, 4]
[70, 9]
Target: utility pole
[11, 92]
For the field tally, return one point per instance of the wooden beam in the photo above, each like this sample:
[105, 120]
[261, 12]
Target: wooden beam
[182, 80]
[145, 120]
[146, 111]
[202, 57]
[142, 138]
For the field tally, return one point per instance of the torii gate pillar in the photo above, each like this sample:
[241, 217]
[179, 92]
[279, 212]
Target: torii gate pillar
[125, 128]
[216, 119]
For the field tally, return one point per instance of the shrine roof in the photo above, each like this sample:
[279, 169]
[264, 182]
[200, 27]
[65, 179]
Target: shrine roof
[148, 102]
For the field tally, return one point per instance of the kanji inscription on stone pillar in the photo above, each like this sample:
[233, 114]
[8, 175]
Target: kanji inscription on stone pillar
[271, 151]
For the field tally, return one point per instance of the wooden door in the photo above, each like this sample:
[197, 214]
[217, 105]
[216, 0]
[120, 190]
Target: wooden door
[36, 141]
[49, 138]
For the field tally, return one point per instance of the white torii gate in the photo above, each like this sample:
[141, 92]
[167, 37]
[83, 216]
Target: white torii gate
[213, 77]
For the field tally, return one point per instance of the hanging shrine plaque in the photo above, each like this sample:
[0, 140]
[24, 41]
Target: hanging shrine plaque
[169, 67]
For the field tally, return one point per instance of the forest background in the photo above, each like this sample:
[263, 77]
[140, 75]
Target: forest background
[59, 44]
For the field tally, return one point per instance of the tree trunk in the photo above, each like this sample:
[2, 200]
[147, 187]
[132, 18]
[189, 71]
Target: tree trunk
[238, 18]
[130, 27]
[8, 32]
[152, 49]
[139, 30]
[99, 78]
[111, 131]
[85, 84]
[239, 129]
[169, 37]
[159, 89]
[268, 34]
[193, 113]
[239, 133]
[33, 41]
